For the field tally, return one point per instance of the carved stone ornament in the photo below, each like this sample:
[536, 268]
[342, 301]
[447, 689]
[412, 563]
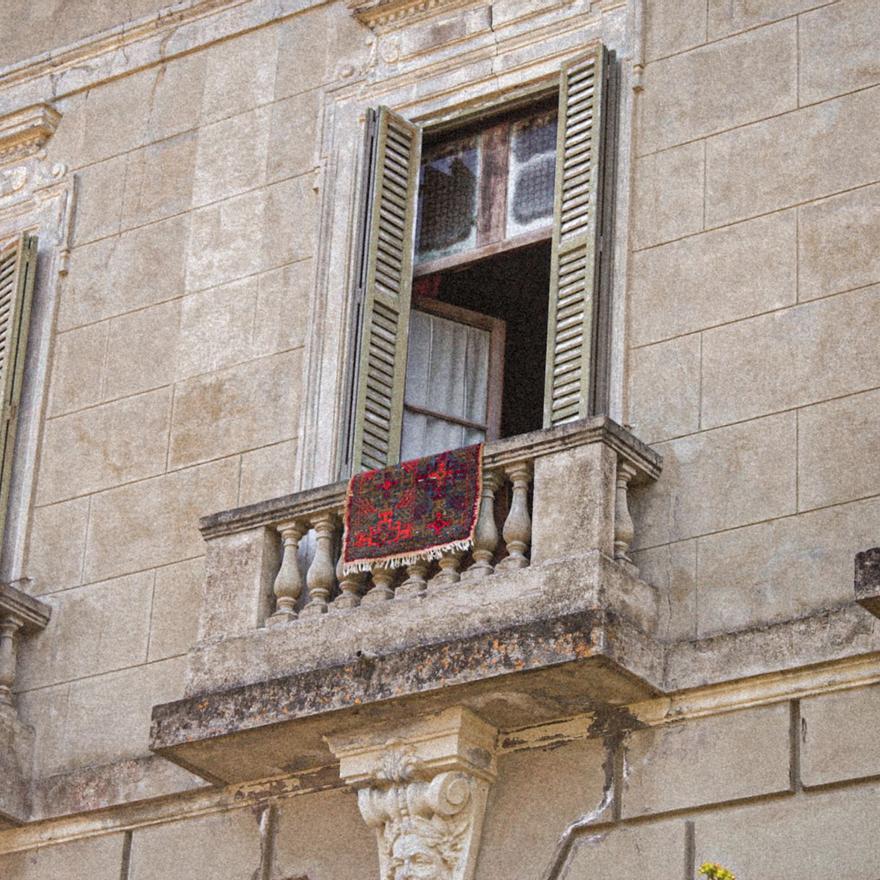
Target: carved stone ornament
[24, 171]
[424, 793]
[25, 132]
[33, 174]
[379, 15]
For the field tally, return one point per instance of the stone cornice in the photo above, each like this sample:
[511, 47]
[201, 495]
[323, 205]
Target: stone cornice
[175, 30]
[381, 15]
[24, 132]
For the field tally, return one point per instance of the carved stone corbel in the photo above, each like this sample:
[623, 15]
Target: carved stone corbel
[422, 788]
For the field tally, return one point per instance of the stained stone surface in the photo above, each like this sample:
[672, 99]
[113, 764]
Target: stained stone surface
[195, 342]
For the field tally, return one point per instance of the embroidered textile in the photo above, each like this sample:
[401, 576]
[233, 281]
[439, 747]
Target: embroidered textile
[418, 509]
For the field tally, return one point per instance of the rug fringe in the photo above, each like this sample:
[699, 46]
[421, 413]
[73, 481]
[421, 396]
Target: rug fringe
[405, 559]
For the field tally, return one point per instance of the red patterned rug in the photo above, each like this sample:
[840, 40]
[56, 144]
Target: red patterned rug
[418, 509]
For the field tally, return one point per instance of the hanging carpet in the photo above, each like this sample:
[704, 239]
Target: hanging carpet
[416, 510]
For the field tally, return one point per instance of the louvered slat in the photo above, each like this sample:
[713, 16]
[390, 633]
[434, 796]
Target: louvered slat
[386, 278]
[17, 267]
[575, 241]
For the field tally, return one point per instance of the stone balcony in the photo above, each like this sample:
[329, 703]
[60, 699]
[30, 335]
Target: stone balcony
[546, 618]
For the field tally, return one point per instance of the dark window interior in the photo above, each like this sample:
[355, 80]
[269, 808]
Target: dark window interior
[511, 286]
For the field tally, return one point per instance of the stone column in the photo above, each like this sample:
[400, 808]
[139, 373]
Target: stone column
[288, 582]
[9, 627]
[20, 614]
[422, 787]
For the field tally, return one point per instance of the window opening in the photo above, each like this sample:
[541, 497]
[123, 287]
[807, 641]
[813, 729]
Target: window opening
[466, 219]
[454, 378]
[511, 288]
[484, 221]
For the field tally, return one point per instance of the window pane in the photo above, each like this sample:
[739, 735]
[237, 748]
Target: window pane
[447, 218]
[426, 435]
[531, 175]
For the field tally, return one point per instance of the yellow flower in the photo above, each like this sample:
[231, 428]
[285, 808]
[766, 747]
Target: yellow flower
[714, 871]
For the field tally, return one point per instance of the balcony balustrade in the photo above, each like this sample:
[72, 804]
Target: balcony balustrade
[545, 617]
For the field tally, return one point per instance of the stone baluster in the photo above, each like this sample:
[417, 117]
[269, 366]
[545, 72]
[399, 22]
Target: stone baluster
[415, 584]
[351, 588]
[382, 589]
[288, 582]
[9, 627]
[486, 533]
[321, 576]
[517, 529]
[623, 524]
[449, 569]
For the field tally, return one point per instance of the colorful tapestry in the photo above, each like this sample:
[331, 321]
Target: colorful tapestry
[418, 509]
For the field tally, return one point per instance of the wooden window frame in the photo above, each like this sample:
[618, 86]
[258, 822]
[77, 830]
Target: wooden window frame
[493, 133]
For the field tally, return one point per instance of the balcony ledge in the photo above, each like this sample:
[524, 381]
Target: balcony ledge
[580, 650]
[572, 632]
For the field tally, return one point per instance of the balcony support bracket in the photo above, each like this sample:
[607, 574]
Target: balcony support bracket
[422, 788]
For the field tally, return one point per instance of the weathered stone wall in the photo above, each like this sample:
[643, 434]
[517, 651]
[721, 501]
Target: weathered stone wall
[754, 307]
[38, 29]
[788, 787]
[175, 377]
[748, 319]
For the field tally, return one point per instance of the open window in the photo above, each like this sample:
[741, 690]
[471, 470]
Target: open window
[481, 260]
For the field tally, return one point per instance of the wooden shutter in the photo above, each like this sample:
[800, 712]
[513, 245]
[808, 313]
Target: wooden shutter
[385, 281]
[576, 240]
[17, 266]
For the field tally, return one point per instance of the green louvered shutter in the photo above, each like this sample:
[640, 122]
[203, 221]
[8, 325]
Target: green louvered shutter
[17, 267]
[385, 282]
[576, 242]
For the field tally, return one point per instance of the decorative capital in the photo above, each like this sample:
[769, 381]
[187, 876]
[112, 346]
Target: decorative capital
[422, 788]
[25, 132]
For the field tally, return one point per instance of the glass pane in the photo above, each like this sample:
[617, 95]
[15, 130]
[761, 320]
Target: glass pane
[426, 435]
[447, 215]
[531, 175]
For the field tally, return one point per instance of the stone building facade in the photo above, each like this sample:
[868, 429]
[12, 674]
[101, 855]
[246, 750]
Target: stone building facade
[669, 666]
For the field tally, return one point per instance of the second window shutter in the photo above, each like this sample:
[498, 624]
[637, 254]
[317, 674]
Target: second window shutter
[385, 287]
[17, 268]
[573, 271]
